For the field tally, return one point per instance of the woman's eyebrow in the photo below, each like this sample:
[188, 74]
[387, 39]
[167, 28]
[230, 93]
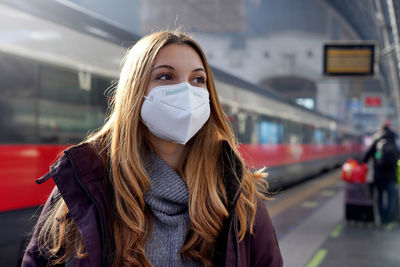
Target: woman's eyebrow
[199, 69]
[163, 66]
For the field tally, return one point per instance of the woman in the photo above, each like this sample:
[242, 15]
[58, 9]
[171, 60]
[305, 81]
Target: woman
[161, 183]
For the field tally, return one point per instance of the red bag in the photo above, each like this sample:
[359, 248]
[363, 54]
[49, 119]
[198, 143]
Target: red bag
[354, 172]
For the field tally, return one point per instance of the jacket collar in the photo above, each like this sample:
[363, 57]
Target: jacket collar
[79, 177]
[91, 173]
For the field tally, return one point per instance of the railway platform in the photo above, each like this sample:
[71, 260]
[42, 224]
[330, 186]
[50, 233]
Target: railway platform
[312, 231]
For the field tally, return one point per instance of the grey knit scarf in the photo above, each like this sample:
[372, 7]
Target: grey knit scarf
[168, 201]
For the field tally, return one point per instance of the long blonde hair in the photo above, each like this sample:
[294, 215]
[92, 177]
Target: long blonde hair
[122, 138]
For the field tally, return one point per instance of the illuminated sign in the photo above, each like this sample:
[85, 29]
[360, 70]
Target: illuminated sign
[373, 101]
[349, 59]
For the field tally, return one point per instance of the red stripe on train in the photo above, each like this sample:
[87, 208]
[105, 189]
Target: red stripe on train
[257, 156]
[21, 165]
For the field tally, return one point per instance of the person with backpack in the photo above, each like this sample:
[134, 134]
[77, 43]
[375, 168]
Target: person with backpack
[385, 154]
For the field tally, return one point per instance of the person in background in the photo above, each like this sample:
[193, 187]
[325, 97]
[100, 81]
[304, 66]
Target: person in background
[385, 155]
[162, 182]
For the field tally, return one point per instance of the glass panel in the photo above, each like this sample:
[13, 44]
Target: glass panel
[319, 137]
[17, 100]
[68, 110]
[244, 127]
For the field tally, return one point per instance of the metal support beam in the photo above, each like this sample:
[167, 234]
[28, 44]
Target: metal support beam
[389, 49]
[395, 33]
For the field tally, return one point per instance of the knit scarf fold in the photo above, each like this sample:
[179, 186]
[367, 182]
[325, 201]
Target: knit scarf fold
[168, 201]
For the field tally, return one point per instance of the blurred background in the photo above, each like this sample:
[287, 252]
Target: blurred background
[278, 44]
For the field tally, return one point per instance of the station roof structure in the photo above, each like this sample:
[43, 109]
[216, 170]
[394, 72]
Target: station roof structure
[378, 20]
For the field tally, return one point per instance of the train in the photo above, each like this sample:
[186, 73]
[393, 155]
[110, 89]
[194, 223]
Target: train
[56, 63]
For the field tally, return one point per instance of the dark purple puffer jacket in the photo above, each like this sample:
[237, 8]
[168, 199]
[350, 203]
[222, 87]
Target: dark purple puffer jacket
[80, 178]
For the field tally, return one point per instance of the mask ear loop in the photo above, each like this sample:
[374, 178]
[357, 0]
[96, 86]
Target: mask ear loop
[149, 98]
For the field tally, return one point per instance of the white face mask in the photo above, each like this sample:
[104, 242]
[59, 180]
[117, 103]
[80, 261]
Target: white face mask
[176, 112]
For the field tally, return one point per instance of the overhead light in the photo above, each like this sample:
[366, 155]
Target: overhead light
[97, 31]
[44, 35]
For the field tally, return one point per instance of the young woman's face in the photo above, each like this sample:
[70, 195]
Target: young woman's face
[177, 63]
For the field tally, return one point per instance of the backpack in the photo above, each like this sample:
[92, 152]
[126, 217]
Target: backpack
[386, 154]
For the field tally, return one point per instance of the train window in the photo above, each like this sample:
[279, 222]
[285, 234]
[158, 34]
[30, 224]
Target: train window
[285, 130]
[332, 138]
[67, 112]
[231, 117]
[60, 85]
[98, 96]
[293, 133]
[17, 100]
[243, 123]
[245, 127]
[307, 134]
[268, 133]
[255, 133]
[319, 137]
[271, 130]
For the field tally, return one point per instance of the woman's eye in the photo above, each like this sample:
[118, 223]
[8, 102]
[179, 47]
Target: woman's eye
[164, 77]
[200, 79]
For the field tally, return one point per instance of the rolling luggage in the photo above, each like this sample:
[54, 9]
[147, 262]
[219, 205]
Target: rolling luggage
[359, 204]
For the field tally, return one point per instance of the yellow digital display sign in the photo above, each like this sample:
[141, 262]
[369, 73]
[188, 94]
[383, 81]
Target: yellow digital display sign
[349, 59]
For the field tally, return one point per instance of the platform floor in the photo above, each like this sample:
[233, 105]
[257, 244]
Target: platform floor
[309, 222]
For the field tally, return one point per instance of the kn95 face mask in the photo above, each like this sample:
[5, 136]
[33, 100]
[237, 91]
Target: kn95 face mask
[176, 112]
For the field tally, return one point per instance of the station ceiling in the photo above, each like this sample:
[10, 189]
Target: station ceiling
[360, 14]
[364, 17]
[371, 20]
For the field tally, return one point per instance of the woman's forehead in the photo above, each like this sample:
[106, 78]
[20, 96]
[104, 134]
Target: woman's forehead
[178, 54]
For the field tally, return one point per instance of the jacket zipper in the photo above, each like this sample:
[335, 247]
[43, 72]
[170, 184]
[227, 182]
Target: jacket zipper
[96, 204]
[236, 239]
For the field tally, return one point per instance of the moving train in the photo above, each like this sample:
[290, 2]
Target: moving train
[57, 62]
